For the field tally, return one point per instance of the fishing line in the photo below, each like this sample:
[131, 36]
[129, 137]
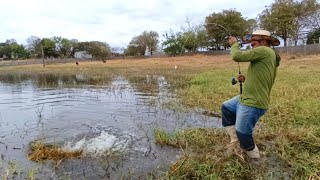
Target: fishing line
[229, 34]
[239, 72]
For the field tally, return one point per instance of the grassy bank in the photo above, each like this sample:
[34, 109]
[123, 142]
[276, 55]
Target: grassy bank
[288, 135]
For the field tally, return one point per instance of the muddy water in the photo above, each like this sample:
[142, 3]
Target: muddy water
[112, 124]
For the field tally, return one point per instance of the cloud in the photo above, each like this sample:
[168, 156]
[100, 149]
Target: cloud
[112, 21]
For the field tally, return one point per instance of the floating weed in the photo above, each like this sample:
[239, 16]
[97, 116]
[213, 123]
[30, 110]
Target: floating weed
[40, 152]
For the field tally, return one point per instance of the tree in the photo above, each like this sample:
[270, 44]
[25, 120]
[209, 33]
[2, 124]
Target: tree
[135, 47]
[173, 44]
[139, 44]
[202, 37]
[193, 37]
[66, 47]
[12, 50]
[5, 50]
[81, 46]
[314, 19]
[251, 25]
[63, 46]
[308, 12]
[313, 36]
[279, 18]
[220, 25]
[34, 46]
[99, 49]
[189, 40]
[49, 47]
[19, 51]
[288, 18]
[304, 9]
[152, 40]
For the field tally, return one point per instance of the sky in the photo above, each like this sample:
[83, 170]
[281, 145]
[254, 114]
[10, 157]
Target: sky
[111, 21]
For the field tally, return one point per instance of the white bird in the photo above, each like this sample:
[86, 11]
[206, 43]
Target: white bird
[175, 67]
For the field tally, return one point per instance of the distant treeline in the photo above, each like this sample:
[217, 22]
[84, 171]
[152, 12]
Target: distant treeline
[295, 22]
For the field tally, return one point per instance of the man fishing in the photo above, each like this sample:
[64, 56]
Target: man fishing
[241, 113]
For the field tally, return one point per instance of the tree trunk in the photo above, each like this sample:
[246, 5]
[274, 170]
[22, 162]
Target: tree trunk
[42, 56]
[285, 42]
[285, 37]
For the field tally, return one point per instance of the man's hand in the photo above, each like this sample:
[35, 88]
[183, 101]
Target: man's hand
[241, 78]
[232, 40]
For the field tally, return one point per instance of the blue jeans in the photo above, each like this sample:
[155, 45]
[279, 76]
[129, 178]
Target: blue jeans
[244, 118]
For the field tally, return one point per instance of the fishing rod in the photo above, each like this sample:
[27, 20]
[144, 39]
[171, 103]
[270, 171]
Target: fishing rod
[233, 79]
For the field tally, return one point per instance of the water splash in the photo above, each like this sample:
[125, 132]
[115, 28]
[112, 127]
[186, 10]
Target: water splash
[100, 143]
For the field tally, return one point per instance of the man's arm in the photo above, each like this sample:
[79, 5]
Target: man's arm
[244, 56]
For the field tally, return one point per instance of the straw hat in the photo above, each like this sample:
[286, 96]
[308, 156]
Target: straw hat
[262, 34]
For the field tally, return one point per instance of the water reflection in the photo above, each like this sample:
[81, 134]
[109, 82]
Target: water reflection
[122, 113]
[55, 80]
[14, 78]
[149, 84]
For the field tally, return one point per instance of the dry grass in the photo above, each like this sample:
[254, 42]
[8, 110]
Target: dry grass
[137, 65]
[39, 152]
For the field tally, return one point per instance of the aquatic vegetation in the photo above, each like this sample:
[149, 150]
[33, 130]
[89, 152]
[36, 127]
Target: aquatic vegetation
[40, 152]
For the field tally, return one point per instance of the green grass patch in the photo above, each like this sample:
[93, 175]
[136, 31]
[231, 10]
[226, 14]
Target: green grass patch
[209, 89]
[292, 124]
[205, 156]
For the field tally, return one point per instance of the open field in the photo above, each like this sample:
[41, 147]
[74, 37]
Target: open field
[288, 135]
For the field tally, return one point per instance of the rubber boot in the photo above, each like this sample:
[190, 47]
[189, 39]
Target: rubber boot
[254, 154]
[231, 130]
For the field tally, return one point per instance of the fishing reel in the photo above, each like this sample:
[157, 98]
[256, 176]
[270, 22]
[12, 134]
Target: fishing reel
[241, 78]
[233, 80]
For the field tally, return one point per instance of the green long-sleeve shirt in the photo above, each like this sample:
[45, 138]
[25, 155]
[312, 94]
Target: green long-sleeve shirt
[260, 76]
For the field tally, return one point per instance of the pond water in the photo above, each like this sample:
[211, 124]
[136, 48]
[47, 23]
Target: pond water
[113, 124]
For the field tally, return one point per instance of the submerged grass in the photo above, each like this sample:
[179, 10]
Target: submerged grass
[288, 135]
[40, 152]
